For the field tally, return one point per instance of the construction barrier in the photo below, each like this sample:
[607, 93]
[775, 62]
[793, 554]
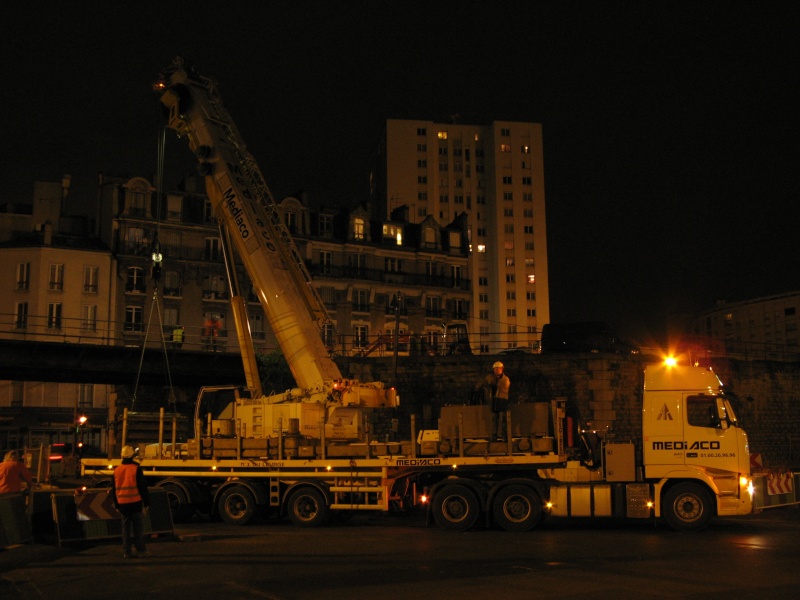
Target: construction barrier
[15, 528]
[775, 489]
[90, 515]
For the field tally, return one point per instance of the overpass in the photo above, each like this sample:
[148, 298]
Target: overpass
[91, 363]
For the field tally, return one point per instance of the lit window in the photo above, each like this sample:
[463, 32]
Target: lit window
[358, 229]
[525, 149]
[531, 278]
[442, 135]
[505, 148]
[481, 247]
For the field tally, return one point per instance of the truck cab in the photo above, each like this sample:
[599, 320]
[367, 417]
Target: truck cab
[692, 441]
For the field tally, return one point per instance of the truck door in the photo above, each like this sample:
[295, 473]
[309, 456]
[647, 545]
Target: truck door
[662, 428]
[710, 442]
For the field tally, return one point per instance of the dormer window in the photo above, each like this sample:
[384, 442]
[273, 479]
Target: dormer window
[393, 231]
[291, 221]
[358, 229]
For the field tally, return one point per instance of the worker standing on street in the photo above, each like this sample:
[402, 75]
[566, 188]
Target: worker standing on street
[131, 498]
[13, 473]
[499, 384]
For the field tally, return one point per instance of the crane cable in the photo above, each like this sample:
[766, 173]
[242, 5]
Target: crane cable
[156, 259]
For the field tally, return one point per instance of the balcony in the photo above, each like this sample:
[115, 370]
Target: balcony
[213, 296]
[394, 278]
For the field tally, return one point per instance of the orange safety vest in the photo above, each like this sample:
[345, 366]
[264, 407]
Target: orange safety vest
[125, 484]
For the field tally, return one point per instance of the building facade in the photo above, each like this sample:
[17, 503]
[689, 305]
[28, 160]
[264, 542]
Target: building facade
[377, 279]
[495, 176]
[57, 285]
[761, 328]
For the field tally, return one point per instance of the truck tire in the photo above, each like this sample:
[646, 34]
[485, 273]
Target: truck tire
[237, 505]
[688, 506]
[307, 507]
[179, 505]
[517, 508]
[455, 507]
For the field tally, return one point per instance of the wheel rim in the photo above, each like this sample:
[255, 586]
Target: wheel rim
[455, 508]
[687, 508]
[516, 508]
[306, 508]
[236, 505]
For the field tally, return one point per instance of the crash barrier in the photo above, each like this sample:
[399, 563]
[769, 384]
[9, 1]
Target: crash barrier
[90, 515]
[15, 528]
[775, 489]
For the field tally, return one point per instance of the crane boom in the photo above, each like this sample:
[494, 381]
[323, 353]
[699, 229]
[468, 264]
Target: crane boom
[244, 205]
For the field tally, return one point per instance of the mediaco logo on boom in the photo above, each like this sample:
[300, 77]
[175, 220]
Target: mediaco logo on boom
[236, 212]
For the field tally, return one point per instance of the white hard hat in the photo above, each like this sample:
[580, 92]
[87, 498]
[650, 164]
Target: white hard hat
[127, 452]
[497, 365]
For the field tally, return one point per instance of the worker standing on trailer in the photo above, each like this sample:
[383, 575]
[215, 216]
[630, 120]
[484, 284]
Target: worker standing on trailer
[499, 384]
[131, 498]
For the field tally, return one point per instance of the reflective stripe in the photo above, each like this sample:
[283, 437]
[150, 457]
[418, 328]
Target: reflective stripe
[125, 484]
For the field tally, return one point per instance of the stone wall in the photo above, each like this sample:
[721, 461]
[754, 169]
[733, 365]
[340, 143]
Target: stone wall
[603, 392]
[768, 405]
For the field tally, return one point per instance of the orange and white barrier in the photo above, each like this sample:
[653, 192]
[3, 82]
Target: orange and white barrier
[774, 489]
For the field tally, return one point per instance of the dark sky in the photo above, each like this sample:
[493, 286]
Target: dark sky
[670, 128]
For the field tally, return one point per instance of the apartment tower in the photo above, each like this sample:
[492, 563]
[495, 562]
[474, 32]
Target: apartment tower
[495, 175]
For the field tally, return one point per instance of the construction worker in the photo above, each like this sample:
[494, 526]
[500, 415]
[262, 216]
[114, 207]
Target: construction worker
[13, 473]
[499, 384]
[177, 337]
[130, 495]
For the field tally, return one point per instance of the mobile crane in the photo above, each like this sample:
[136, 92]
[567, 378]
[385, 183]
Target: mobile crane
[307, 453]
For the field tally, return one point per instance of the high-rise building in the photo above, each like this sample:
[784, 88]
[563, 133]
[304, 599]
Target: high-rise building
[495, 175]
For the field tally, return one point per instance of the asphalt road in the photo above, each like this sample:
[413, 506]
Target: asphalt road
[396, 558]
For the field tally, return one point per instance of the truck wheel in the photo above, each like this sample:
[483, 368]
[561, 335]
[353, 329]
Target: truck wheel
[237, 506]
[517, 508]
[307, 507]
[455, 507]
[688, 506]
[180, 507]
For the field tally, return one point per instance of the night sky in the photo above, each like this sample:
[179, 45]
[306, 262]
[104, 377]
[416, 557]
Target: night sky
[670, 128]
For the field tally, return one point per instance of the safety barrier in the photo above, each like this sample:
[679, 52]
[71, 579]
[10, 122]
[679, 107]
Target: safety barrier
[90, 515]
[775, 489]
[15, 528]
